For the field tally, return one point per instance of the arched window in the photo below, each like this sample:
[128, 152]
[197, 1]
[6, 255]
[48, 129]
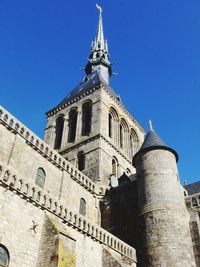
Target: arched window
[113, 124]
[110, 126]
[123, 132]
[40, 177]
[86, 118]
[194, 202]
[59, 132]
[72, 125]
[4, 256]
[134, 143]
[82, 208]
[114, 167]
[81, 161]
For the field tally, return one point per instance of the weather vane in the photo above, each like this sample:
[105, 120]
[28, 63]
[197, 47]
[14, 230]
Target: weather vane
[99, 8]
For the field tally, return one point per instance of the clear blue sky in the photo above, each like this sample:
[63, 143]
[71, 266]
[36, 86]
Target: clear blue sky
[155, 48]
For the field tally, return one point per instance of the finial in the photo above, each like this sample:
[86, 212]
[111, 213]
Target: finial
[150, 125]
[99, 8]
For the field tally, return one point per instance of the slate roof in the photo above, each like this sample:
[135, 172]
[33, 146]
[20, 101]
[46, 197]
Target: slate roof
[193, 188]
[151, 140]
[91, 80]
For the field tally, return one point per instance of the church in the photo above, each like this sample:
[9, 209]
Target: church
[98, 190]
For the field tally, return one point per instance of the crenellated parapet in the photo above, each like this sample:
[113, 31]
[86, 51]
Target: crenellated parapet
[41, 199]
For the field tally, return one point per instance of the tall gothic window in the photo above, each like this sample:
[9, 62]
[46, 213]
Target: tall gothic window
[59, 132]
[86, 118]
[72, 125]
[124, 135]
[82, 208]
[40, 177]
[113, 124]
[81, 161]
[110, 126]
[114, 167]
[134, 142]
[4, 256]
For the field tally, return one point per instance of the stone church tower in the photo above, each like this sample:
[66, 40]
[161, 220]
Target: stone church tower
[91, 127]
[95, 192]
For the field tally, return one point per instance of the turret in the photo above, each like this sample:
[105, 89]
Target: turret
[163, 218]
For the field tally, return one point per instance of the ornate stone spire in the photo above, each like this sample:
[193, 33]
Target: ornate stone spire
[99, 57]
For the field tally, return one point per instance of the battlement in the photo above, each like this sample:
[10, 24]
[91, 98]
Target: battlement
[44, 201]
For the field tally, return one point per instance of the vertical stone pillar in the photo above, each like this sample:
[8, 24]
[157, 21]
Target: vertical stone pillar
[52, 135]
[126, 143]
[163, 218]
[65, 132]
[117, 133]
[79, 124]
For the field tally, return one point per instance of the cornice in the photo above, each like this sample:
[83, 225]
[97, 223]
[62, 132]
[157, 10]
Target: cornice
[91, 139]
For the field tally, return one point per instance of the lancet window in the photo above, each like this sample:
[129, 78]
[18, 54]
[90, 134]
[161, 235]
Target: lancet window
[134, 143]
[59, 132]
[113, 124]
[72, 125]
[114, 167]
[124, 134]
[86, 118]
[81, 161]
[4, 256]
[82, 208]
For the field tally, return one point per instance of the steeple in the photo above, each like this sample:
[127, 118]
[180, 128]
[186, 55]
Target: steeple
[99, 57]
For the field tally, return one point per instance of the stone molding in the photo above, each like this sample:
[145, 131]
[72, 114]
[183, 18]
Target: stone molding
[161, 206]
[92, 138]
[90, 91]
[43, 200]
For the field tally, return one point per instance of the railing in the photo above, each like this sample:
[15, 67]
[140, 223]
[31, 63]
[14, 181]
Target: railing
[48, 152]
[40, 198]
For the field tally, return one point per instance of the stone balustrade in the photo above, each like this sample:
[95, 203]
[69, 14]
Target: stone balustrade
[48, 152]
[43, 200]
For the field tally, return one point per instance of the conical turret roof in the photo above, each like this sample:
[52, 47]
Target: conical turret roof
[152, 142]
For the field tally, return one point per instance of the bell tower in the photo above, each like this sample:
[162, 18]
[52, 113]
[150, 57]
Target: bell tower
[90, 126]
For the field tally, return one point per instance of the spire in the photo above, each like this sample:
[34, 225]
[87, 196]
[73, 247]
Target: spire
[99, 40]
[99, 57]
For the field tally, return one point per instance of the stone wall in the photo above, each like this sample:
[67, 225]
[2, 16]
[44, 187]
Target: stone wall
[25, 160]
[42, 226]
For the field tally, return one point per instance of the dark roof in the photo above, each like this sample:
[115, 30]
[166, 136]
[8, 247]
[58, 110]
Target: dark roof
[193, 188]
[93, 79]
[151, 140]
